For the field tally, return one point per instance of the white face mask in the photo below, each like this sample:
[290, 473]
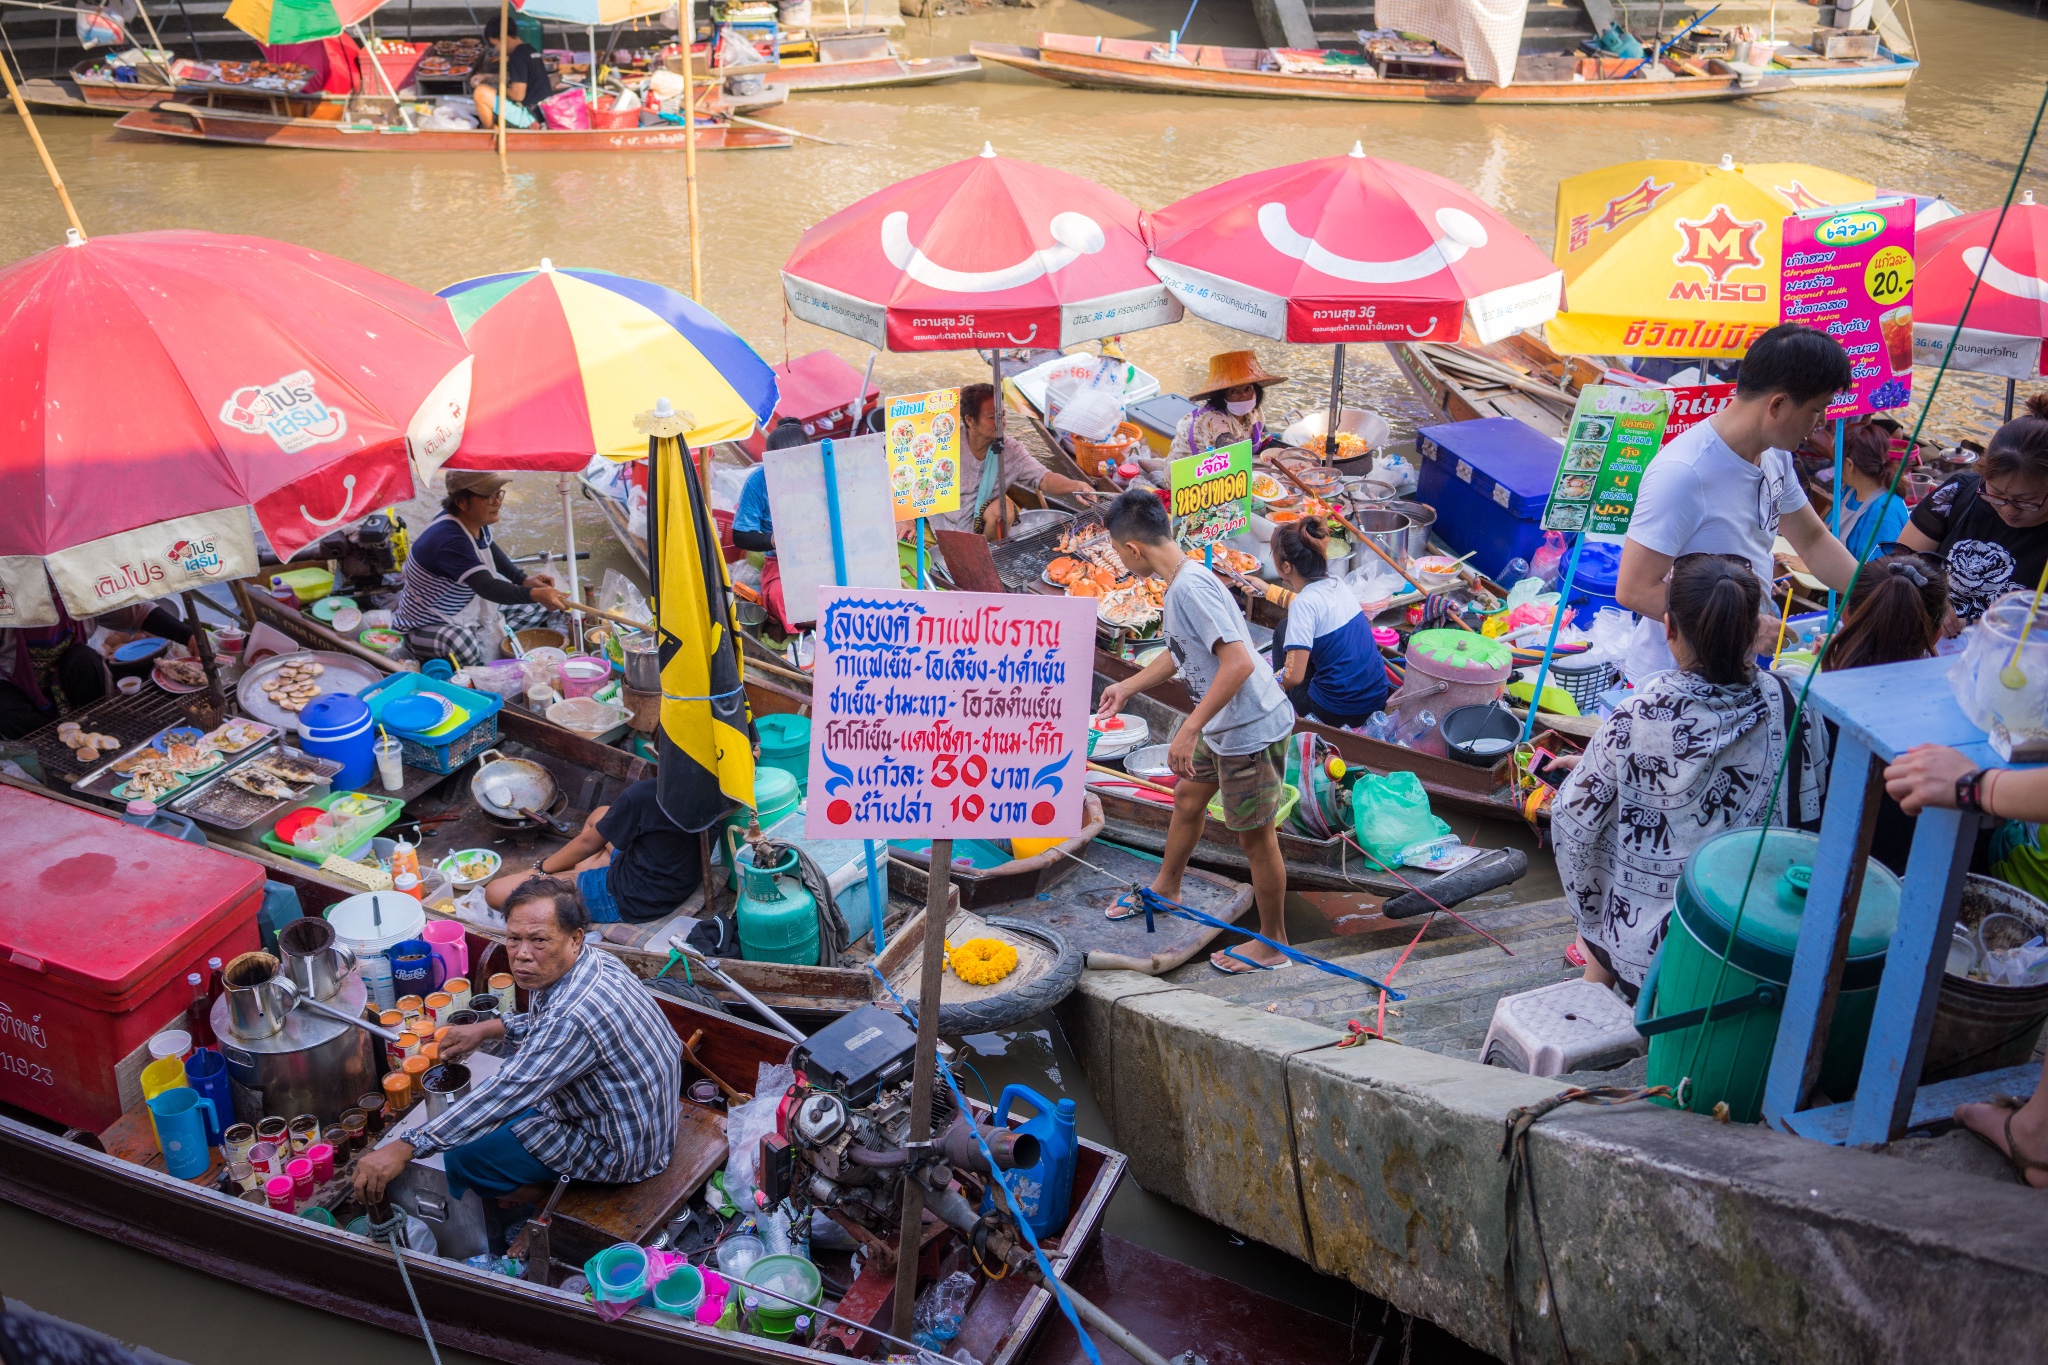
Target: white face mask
[1241, 408]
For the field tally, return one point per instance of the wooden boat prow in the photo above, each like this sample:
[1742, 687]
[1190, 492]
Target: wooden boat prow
[202, 123]
[1209, 69]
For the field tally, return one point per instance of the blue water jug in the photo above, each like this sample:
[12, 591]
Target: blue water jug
[1043, 1191]
[337, 726]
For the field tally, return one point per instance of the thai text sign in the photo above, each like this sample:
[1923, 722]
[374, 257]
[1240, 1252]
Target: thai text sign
[1692, 404]
[947, 715]
[1613, 433]
[924, 453]
[1849, 272]
[1212, 492]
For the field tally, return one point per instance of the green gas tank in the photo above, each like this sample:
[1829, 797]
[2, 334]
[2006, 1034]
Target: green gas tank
[1726, 1050]
[778, 916]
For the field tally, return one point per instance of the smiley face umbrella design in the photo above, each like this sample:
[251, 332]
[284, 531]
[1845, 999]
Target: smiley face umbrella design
[985, 253]
[158, 386]
[1352, 248]
[2009, 317]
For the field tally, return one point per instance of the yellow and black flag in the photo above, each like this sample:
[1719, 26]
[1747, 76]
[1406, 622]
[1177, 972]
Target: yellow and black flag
[705, 749]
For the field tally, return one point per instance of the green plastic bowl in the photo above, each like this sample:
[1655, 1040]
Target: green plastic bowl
[791, 1275]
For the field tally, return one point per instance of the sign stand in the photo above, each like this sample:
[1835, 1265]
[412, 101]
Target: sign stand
[924, 1073]
[1564, 596]
[878, 890]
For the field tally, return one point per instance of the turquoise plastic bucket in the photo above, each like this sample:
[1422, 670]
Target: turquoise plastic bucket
[681, 1292]
[786, 744]
[618, 1274]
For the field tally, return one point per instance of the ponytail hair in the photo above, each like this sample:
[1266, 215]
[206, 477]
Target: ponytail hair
[1306, 545]
[1713, 603]
[1894, 614]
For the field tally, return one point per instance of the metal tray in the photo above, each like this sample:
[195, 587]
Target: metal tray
[222, 805]
[102, 782]
[1021, 559]
[345, 673]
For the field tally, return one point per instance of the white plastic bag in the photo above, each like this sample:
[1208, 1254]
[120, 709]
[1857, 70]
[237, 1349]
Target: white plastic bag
[617, 594]
[745, 1126]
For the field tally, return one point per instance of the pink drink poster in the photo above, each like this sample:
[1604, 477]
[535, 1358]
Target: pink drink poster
[1848, 270]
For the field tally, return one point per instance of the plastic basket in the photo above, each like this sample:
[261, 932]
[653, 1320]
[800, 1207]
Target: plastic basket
[1584, 679]
[439, 753]
[1097, 458]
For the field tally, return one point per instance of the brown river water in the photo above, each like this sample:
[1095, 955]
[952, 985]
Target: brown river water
[432, 220]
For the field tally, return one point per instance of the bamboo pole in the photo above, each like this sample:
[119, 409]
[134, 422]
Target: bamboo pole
[690, 143]
[504, 56]
[35, 135]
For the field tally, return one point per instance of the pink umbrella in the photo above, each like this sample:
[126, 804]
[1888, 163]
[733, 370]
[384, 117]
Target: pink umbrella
[1352, 248]
[2009, 317]
[987, 252]
[157, 386]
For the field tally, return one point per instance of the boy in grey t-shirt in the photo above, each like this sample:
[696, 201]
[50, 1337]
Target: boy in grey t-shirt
[1236, 739]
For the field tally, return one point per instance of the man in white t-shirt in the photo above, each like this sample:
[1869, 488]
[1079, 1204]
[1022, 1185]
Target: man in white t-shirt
[1727, 486]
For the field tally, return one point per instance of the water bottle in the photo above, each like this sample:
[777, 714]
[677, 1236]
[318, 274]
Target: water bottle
[1549, 559]
[775, 1233]
[936, 1319]
[1381, 727]
[1513, 572]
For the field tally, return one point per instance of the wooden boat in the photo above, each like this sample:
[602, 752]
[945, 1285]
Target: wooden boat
[1809, 71]
[1517, 377]
[208, 123]
[86, 89]
[857, 59]
[1141, 64]
[113, 1184]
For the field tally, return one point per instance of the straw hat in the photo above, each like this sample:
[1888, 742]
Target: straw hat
[1233, 368]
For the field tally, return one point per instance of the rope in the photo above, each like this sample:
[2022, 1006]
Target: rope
[1156, 903]
[1514, 1149]
[1052, 1281]
[1835, 609]
[1391, 872]
[392, 1233]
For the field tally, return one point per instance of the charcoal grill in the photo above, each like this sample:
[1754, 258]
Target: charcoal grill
[128, 719]
[1020, 560]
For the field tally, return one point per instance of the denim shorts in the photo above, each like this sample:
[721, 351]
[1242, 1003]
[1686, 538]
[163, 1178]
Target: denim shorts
[595, 891]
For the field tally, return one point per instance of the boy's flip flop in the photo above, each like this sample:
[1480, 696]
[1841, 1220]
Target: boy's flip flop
[1249, 965]
[1126, 906]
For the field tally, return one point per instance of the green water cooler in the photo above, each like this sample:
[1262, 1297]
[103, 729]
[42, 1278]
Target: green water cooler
[1719, 1024]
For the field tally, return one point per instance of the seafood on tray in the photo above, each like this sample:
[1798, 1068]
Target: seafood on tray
[85, 745]
[1081, 577]
[1134, 605]
[182, 672]
[257, 781]
[290, 767]
[294, 684]
[237, 735]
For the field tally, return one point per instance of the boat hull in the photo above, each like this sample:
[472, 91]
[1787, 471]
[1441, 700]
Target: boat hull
[1107, 72]
[194, 124]
[879, 73]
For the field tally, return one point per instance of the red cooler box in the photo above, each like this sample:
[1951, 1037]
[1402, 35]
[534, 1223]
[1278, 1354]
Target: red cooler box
[100, 922]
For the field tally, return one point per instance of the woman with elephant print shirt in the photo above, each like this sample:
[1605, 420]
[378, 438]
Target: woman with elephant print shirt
[1694, 751]
[1991, 525]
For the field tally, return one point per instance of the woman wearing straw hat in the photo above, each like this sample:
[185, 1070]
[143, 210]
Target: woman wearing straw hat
[1227, 406]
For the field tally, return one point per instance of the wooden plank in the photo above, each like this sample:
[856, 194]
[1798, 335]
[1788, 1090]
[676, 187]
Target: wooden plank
[592, 1216]
[1933, 1104]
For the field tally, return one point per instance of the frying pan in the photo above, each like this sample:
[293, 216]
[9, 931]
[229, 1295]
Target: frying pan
[508, 787]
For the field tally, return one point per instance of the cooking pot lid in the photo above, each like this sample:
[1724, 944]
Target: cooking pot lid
[1711, 889]
[1460, 649]
[377, 917]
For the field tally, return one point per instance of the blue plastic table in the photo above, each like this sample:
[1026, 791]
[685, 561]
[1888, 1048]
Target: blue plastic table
[1881, 713]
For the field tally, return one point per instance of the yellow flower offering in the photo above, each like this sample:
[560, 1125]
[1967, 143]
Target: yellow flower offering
[983, 961]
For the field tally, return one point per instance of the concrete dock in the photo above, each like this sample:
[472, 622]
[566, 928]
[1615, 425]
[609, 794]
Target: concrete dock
[1671, 1237]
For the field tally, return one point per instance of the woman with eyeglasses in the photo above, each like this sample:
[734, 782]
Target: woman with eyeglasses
[1990, 526]
[460, 591]
[1694, 751]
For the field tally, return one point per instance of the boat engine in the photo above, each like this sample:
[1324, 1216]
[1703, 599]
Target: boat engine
[843, 1142]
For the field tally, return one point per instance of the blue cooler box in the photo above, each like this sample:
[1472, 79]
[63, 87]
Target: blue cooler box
[1488, 480]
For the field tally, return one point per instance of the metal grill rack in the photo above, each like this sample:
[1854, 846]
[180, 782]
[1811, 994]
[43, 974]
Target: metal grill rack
[1021, 560]
[128, 719]
[225, 806]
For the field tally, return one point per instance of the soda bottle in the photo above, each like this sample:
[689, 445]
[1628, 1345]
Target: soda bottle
[199, 1014]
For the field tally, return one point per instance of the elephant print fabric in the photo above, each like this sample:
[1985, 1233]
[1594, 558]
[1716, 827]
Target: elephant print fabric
[1679, 762]
[1986, 558]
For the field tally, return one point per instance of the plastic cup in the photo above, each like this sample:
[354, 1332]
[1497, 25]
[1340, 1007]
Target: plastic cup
[279, 1190]
[415, 1067]
[172, 1042]
[397, 1093]
[321, 1154]
[390, 766]
[681, 1291]
[299, 1170]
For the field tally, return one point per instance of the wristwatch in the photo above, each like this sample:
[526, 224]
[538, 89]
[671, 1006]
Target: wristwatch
[1969, 795]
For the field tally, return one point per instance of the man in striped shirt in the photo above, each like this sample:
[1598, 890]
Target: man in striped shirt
[592, 1090]
[456, 561]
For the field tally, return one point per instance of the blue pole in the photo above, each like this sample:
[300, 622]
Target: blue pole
[878, 892]
[922, 581]
[1564, 595]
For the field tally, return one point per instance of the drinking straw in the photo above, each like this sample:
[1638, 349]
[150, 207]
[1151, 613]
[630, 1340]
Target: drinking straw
[1784, 619]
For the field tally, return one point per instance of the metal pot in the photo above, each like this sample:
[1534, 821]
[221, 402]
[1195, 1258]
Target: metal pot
[1388, 529]
[642, 661]
[259, 999]
[522, 783]
[1421, 517]
[310, 1064]
[314, 962]
[445, 1086]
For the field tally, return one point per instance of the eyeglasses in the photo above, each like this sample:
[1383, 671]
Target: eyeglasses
[1991, 499]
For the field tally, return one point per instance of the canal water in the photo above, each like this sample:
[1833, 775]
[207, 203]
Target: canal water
[432, 220]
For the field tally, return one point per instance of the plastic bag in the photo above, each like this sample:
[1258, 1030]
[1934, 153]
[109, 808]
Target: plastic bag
[746, 1125]
[936, 1319]
[1612, 630]
[1392, 813]
[617, 594]
[567, 111]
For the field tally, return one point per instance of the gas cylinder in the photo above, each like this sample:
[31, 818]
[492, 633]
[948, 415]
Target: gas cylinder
[778, 916]
[1043, 1191]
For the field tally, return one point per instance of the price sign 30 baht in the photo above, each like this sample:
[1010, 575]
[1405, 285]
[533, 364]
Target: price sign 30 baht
[949, 715]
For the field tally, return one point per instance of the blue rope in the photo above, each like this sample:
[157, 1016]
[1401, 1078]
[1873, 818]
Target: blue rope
[1153, 903]
[1059, 1290]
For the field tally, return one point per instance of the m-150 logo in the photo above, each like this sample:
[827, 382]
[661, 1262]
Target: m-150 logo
[288, 411]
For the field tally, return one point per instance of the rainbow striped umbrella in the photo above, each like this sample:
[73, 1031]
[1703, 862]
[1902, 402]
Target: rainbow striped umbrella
[564, 358]
[277, 22]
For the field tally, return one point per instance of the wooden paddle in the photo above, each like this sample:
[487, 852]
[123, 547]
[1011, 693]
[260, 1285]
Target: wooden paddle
[613, 617]
[1344, 521]
[1132, 778]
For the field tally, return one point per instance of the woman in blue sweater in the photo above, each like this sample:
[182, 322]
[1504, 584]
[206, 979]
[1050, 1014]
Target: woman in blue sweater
[1325, 654]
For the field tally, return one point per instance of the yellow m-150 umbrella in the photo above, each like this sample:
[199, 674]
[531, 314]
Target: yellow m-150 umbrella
[1679, 258]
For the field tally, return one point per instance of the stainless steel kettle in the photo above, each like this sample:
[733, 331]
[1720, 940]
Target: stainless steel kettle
[260, 998]
[316, 964]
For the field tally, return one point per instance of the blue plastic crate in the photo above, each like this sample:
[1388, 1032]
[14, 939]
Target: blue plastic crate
[442, 753]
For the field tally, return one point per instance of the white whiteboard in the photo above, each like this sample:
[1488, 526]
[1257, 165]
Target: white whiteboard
[803, 527]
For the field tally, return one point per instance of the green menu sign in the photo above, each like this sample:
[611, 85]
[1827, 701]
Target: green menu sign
[1614, 431]
[1212, 492]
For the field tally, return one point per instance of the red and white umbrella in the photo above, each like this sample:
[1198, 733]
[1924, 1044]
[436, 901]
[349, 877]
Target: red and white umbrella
[1352, 248]
[2009, 317]
[155, 387]
[985, 253]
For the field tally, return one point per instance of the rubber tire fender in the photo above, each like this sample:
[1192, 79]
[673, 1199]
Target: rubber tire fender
[1501, 867]
[1011, 1008]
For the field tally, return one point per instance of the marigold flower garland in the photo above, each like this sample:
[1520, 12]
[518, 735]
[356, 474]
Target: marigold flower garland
[982, 961]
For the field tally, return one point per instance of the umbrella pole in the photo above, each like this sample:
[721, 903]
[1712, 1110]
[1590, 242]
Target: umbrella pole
[690, 142]
[504, 42]
[150, 24]
[592, 31]
[568, 485]
[204, 647]
[1336, 402]
[2011, 388]
[35, 135]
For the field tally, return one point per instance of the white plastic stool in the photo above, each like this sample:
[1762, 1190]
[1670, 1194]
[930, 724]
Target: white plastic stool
[1570, 1026]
